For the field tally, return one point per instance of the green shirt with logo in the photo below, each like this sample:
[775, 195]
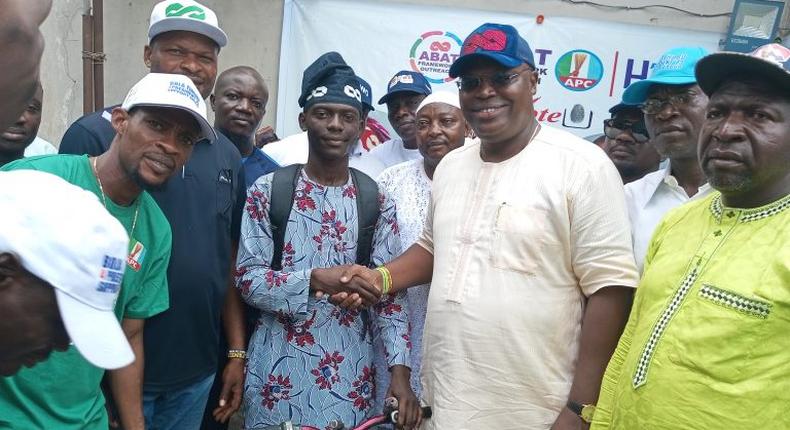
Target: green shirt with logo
[63, 392]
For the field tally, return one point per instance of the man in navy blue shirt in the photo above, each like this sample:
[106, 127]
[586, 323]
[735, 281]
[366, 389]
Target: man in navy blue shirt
[203, 205]
[239, 103]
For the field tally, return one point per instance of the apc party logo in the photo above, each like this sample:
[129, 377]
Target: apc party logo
[579, 70]
[433, 54]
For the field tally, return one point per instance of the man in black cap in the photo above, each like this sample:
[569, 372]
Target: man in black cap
[704, 346]
[627, 143]
[531, 268]
[405, 92]
[311, 361]
[294, 149]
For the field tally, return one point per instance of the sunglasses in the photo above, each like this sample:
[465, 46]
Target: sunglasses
[612, 129]
[497, 80]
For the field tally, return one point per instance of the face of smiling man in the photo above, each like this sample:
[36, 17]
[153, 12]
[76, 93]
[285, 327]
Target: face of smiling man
[499, 113]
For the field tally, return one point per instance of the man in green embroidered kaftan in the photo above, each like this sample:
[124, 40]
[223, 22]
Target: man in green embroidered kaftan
[706, 343]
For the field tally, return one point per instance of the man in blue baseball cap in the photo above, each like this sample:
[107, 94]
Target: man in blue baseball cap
[531, 269]
[405, 91]
[674, 110]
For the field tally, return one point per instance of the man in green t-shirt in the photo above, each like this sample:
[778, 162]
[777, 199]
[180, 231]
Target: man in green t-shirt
[160, 120]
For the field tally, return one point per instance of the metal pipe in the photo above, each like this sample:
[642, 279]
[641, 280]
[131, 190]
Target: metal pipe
[87, 62]
[98, 49]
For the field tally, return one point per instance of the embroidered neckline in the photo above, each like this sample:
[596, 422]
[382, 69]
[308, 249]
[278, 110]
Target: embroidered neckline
[717, 208]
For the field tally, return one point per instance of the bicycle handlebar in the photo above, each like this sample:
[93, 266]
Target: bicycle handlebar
[390, 418]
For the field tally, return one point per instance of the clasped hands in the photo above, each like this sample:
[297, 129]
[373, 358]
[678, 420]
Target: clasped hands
[349, 286]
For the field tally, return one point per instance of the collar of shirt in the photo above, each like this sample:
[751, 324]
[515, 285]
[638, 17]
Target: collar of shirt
[663, 178]
[358, 150]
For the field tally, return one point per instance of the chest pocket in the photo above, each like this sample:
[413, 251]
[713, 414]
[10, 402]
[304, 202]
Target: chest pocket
[730, 324]
[518, 238]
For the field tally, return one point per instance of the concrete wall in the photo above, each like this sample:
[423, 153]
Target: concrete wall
[254, 28]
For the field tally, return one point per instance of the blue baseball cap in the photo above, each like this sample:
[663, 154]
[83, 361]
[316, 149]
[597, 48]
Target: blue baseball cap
[498, 42]
[367, 94]
[769, 62]
[407, 81]
[674, 67]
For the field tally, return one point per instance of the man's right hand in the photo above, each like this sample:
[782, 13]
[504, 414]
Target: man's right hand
[353, 291]
[355, 273]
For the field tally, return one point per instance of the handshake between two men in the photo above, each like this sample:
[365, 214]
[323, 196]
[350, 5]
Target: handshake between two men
[353, 286]
[349, 286]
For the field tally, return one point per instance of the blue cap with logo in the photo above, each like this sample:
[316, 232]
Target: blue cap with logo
[674, 67]
[499, 42]
[769, 63]
[407, 81]
[367, 94]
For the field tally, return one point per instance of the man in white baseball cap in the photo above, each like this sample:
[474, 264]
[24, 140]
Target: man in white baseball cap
[52, 287]
[157, 126]
[203, 205]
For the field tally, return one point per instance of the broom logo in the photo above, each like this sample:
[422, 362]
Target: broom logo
[579, 70]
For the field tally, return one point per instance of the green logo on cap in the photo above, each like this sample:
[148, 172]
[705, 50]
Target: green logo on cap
[177, 9]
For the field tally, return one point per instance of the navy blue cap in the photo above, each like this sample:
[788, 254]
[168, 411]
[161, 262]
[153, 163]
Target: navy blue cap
[407, 81]
[769, 62]
[330, 80]
[367, 94]
[619, 107]
[499, 42]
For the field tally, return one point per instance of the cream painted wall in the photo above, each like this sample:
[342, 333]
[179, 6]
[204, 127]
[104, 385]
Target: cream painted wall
[254, 28]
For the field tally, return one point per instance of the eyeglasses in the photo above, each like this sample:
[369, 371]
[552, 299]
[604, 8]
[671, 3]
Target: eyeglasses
[497, 80]
[613, 128]
[653, 106]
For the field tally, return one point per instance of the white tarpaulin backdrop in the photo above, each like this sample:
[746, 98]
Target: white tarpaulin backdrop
[583, 65]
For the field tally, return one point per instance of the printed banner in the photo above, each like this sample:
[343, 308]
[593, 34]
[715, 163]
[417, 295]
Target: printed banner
[583, 65]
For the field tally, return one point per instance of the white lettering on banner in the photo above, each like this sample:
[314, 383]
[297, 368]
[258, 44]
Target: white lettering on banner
[580, 62]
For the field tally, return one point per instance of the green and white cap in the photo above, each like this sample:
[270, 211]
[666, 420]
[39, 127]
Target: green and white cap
[186, 15]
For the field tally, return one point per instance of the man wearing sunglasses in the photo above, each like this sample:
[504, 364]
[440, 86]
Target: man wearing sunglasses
[627, 143]
[531, 269]
[674, 110]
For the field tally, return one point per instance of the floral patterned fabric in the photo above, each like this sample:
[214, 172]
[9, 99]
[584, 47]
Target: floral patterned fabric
[310, 361]
[410, 188]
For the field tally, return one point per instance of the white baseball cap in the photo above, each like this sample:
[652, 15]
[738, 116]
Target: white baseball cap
[185, 15]
[69, 240]
[171, 91]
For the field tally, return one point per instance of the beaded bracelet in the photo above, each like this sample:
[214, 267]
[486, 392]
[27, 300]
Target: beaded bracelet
[386, 279]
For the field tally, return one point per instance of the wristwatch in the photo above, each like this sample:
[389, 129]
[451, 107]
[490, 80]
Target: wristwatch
[585, 412]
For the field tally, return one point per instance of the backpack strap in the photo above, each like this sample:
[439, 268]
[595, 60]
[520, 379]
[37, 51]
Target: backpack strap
[280, 203]
[367, 213]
